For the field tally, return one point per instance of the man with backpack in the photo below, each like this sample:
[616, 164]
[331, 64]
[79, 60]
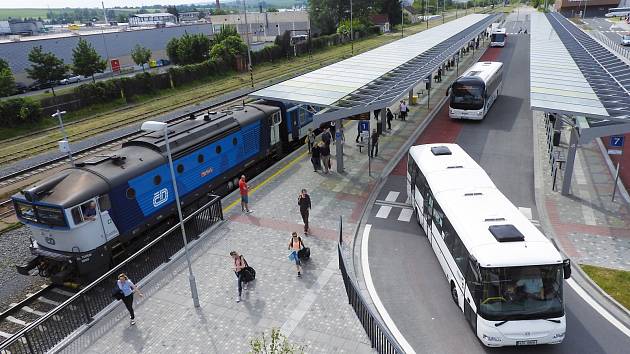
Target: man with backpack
[244, 273]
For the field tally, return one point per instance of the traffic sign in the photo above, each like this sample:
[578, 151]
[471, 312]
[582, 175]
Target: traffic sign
[616, 141]
[364, 125]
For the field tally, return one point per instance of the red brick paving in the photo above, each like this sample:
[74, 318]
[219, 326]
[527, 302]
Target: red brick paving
[318, 232]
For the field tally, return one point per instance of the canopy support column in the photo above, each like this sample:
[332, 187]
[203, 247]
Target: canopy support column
[383, 117]
[339, 145]
[568, 169]
[410, 96]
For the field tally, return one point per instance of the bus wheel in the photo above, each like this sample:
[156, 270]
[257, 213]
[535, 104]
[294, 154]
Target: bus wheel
[454, 294]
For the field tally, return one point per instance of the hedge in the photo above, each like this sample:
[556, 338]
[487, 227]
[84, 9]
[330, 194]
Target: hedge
[188, 73]
[99, 92]
[19, 111]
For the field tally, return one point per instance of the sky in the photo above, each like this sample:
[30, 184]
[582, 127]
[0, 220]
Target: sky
[92, 3]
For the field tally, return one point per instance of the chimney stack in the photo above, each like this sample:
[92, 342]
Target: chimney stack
[218, 5]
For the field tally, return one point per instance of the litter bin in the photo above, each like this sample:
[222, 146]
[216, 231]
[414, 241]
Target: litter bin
[414, 99]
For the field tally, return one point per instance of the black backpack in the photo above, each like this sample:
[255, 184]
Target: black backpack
[117, 292]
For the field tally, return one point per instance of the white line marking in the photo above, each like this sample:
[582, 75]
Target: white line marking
[391, 196]
[597, 307]
[372, 291]
[309, 298]
[383, 212]
[589, 216]
[526, 211]
[580, 178]
[405, 215]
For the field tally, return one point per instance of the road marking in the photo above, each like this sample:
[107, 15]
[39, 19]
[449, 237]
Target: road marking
[391, 196]
[383, 212]
[526, 211]
[367, 275]
[267, 180]
[405, 215]
[597, 307]
[309, 298]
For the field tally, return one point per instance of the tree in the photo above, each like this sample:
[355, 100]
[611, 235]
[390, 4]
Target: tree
[141, 55]
[173, 11]
[46, 69]
[86, 61]
[7, 82]
[272, 9]
[228, 49]
[275, 343]
[188, 49]
[171, 50]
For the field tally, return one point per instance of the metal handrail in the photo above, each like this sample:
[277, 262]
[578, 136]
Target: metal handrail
[216, 214]
[380, 337]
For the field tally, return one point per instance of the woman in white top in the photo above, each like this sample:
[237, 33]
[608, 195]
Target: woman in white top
[128, 288]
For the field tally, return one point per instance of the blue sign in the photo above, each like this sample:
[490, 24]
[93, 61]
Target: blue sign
[364, 125]
[616, 141]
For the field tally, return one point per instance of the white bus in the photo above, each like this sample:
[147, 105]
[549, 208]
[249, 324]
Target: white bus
[618, 12]
[504, 274]
[474, 92]
[498, 37]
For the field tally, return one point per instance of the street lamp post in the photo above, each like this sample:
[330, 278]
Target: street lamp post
[161, 127]
[402, 21]
[351, 31]
[249, 55]
[64, 145]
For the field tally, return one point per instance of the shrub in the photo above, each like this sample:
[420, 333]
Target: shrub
[19, 111]
[188, 73]
[99, 92]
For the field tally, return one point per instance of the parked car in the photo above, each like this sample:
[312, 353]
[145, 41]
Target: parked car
[625, 39]
[35, 86]
[20, 87]
[71, 80]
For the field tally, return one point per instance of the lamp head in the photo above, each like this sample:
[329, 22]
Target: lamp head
[153, 126]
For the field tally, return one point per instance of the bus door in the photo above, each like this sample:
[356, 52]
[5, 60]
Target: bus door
[427, 210]
[472, 292]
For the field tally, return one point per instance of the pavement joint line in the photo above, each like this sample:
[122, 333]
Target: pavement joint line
[309, 298]
[367, 275]
[598, 308]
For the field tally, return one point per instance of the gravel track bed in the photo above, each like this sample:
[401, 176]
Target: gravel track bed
[14, 249]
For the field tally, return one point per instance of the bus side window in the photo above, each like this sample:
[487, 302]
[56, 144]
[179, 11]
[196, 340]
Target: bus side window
[459, 254]
[449, 233]
[438, 216]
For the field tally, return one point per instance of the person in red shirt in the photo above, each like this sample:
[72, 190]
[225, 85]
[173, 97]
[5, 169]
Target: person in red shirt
[242, 185]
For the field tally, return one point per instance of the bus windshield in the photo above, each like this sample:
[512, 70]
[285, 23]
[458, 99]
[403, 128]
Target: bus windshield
[519, 293]
[498, 37]
[467, 96]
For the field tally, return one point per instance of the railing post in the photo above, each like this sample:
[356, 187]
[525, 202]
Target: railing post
[86, 310]
[340, 229]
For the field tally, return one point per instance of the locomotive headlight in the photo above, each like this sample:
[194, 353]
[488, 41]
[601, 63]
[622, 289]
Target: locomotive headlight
[70, 261]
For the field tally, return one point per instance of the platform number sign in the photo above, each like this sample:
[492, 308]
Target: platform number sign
[616, 141]
[364, 125]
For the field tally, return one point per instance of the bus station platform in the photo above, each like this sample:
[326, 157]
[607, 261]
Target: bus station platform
[312, 311]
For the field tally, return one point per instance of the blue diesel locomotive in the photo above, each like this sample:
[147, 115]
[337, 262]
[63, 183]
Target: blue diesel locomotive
[87, 218]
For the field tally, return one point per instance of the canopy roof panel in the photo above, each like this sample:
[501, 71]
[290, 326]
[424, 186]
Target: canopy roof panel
[345, 84]
[571, 73]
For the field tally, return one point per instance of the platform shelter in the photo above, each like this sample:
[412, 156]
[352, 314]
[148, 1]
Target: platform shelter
[377, 79]
[579, 83]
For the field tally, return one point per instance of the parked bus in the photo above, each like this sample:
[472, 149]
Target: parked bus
[473, 93]
[504, 274]
[498, 37]
[618, 12]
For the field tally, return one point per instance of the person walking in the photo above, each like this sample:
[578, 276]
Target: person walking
[239, 264]
[403, 110]
[310, 139]
[244, 188]
[326, 137]
[295, 245]
[315, 157]
[390, 116]
[304, 201]
[439, 74]
[374, 138]
[128, 288]
[325, 152]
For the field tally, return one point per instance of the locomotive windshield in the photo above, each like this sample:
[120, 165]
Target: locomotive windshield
[40, 214]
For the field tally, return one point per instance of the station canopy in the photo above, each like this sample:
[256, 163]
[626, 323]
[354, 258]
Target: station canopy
[381, 76]
[573, 74]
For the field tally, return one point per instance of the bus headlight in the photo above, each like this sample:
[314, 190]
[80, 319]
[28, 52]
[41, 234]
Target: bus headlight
[491, 338]
[558, 335]
[479, 113]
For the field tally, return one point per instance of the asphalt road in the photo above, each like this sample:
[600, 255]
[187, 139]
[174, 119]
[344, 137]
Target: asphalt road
[405, 271]
[605, 27]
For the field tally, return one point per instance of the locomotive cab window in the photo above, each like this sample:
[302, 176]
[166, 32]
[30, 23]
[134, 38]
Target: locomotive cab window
[276, 119]
[25, 211]
[85, 212]
[50, 216]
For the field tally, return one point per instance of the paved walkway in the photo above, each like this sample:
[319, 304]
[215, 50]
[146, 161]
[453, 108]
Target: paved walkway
[312, 311]
[589, 226]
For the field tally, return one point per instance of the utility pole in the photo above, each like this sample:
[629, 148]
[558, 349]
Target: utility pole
[402, 21]
[351, 31]
[249, 55]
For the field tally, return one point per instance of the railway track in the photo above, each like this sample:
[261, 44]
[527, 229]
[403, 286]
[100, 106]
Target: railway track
[6, 208]
[33, 307]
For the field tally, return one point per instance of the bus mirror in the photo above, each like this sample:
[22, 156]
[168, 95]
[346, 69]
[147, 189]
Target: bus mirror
[566, 267]
[448, 91]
